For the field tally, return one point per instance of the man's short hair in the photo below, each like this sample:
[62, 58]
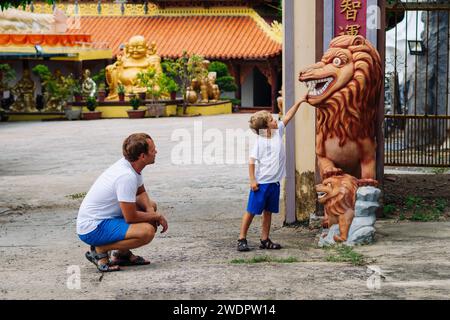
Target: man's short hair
[135, 145]
[259, 120]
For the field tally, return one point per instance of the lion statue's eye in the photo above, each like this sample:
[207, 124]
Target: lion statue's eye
[329, 184]
[337, 62]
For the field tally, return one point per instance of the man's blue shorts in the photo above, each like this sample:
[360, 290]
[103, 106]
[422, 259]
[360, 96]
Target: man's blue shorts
[267, 198]
[108, 231]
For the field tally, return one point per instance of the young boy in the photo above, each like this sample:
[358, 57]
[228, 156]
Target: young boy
[269, 155]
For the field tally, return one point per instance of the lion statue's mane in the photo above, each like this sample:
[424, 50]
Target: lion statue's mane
[345, 199]
[349, 112]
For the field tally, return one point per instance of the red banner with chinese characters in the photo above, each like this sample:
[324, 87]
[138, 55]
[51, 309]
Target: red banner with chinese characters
[350, 17]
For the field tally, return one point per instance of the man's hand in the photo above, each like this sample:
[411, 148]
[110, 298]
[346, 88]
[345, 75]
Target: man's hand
[254, 185]
[154, 206]
[163, 222]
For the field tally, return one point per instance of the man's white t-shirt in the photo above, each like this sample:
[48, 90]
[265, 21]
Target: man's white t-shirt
[270, 156]
[119, 183]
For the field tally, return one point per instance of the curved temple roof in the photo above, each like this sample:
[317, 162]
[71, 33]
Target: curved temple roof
[214, 37]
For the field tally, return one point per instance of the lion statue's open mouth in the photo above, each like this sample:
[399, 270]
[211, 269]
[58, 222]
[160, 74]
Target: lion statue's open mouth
[317, 87]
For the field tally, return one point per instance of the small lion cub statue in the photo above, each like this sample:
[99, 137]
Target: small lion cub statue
[338, 194]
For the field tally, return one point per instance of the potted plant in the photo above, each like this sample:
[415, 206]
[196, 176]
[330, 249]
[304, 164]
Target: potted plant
[91, 104]
[155, 84]
[171, 87]
[101, 92]
[77, 92]
[135, 112]
[121, 92]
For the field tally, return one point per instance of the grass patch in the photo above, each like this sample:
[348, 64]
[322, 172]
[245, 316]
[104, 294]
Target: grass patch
[262, 259]
[422, 211]
[439, 170]
[76, 196]
[341, 253]
[389, 209]
[417, 209]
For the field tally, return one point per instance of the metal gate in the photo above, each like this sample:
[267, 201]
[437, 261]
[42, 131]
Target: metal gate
[417, 114]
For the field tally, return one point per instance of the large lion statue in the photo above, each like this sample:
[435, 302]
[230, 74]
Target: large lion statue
[337, 194]
[346, 87]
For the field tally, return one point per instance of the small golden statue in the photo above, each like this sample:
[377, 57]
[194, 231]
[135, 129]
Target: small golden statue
[88, 87]
[138, 57]
[280, 101]
[24, 93]
[206, 84]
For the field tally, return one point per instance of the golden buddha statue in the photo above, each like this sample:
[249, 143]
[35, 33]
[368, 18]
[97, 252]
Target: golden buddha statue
[24, 93]
[138, 57]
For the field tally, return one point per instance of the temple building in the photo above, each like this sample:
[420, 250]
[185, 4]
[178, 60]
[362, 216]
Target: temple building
[242, 34]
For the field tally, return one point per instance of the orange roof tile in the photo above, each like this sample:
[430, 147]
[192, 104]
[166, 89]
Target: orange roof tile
[213, 37]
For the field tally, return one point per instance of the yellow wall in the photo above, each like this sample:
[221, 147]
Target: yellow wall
[303, 35]
[113, 112]
[171, 110]
[34, 117]
[223, 108]
[305, 54]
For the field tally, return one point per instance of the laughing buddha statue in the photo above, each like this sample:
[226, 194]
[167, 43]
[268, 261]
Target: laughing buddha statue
[137, 57]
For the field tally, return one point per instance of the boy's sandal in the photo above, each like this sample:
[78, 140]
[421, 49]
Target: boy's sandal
[242, 245]
[124, 259]
[94, 257]
[268, 244]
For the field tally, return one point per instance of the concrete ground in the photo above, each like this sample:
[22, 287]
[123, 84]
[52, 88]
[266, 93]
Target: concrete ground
[42, 163]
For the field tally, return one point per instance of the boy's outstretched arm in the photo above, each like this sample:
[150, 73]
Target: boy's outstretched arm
[290, 114]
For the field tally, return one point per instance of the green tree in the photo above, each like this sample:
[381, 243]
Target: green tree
[58, 89]
[7, 74]
[187, 67]
[99, 77]
[19, 3]
[225, 81]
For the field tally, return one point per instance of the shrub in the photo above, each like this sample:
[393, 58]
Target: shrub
[135, 102]
[91, 103]
[224, 80]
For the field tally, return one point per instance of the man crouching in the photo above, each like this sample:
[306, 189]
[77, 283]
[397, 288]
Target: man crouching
[117, 213]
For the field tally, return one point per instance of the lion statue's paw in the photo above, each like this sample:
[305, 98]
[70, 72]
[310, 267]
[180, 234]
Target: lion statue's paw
[331, 172]
[367, 183]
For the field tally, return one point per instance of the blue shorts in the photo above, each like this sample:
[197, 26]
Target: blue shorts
[267, 198]
[108, 231]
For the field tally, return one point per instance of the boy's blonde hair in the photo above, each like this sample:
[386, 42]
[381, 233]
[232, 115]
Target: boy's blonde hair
[259, 120]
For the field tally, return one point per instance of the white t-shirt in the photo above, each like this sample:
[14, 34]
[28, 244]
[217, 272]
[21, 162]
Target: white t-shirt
[270, 156]
[118, 183]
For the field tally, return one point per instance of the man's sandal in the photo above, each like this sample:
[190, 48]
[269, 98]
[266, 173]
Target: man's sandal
[95, 257]
[124, 259]
[268, 244]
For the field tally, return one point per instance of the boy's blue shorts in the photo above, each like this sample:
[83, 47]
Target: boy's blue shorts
[108, 231]
[267, 198]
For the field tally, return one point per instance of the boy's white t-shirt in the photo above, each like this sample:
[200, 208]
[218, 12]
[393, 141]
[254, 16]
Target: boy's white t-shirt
[119, 183]
[270, 156]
